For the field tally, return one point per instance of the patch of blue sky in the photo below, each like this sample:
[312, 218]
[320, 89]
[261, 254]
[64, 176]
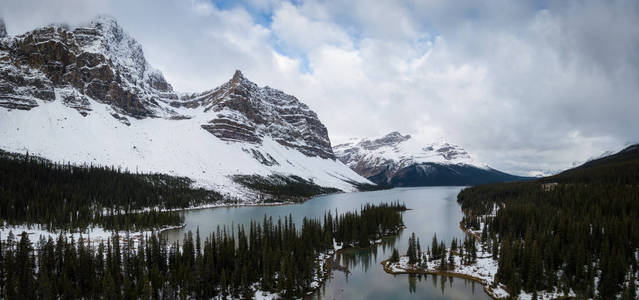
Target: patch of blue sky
[282, 49]
[264, 17]
[260, 15]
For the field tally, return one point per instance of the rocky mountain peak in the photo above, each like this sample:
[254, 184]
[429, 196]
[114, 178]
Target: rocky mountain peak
[395, 151]
[3, 29]
[390, 139]
[238, 81]
[245, 112]
[106, 22]
[123, 51]
[98, 61]
[400, 160]
[237, 77]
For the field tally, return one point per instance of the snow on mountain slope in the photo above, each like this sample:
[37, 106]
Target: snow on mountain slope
[400, 160]
[175, 147]
[88, 95]
[397, 151]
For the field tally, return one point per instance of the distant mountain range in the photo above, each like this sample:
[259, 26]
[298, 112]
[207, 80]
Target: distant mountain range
[399, 160]
[88, 95]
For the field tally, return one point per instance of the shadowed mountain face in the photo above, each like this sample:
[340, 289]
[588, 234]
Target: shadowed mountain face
[435, 174]
[62, 86]
[399, 160]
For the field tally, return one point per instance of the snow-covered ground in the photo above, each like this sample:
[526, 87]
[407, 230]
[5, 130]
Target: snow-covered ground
[483, 271]
[158, 145]
[95, 234]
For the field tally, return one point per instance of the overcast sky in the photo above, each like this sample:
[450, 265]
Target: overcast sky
[525, 87]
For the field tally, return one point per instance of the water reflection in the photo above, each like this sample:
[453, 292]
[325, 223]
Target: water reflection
[412, 283]
[364, 274]
[432, 210]
[368, 257]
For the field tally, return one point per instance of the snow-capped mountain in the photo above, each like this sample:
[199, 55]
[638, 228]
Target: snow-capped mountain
[400, 160]
[88, 95]
[98, 61]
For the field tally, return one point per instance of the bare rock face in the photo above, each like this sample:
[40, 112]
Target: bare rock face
[244, 112]
[388, 140]
[99, 61]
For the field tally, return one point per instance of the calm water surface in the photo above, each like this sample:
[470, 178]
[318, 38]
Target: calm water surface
[433, 210]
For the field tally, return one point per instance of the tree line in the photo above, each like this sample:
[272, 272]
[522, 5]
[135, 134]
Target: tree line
[273, 256]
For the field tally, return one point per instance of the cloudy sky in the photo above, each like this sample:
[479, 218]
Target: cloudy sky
[526, 87]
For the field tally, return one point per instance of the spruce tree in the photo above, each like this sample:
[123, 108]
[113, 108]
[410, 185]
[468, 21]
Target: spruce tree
[395, 256]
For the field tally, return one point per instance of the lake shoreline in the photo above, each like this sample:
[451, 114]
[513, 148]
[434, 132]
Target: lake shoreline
[386, 265]
[488, 288]
[481, 271]
[338, 250]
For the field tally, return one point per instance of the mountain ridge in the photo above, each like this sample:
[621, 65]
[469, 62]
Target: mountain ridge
[400, 160]
[88, 95]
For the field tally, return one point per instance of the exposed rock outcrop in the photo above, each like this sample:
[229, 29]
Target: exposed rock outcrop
[244, 112]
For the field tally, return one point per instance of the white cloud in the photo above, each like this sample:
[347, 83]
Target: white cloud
[22, 16]
[302, 34]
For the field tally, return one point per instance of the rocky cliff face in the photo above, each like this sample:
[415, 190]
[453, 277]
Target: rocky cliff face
[400, 160]
[98, 61]
[244, 112]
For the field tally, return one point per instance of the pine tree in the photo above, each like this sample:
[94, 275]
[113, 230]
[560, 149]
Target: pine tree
[418, 253]
[630, 292]
[442, 263]
[451, 261]
[411, 252]
[395, 256]
[24, 267]
[434, 247]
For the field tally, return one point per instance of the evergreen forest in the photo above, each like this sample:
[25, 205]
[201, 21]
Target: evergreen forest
[576, 230]
[65, 196]
[273, 256]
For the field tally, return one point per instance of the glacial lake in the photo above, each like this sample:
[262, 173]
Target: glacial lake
[432, 210]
